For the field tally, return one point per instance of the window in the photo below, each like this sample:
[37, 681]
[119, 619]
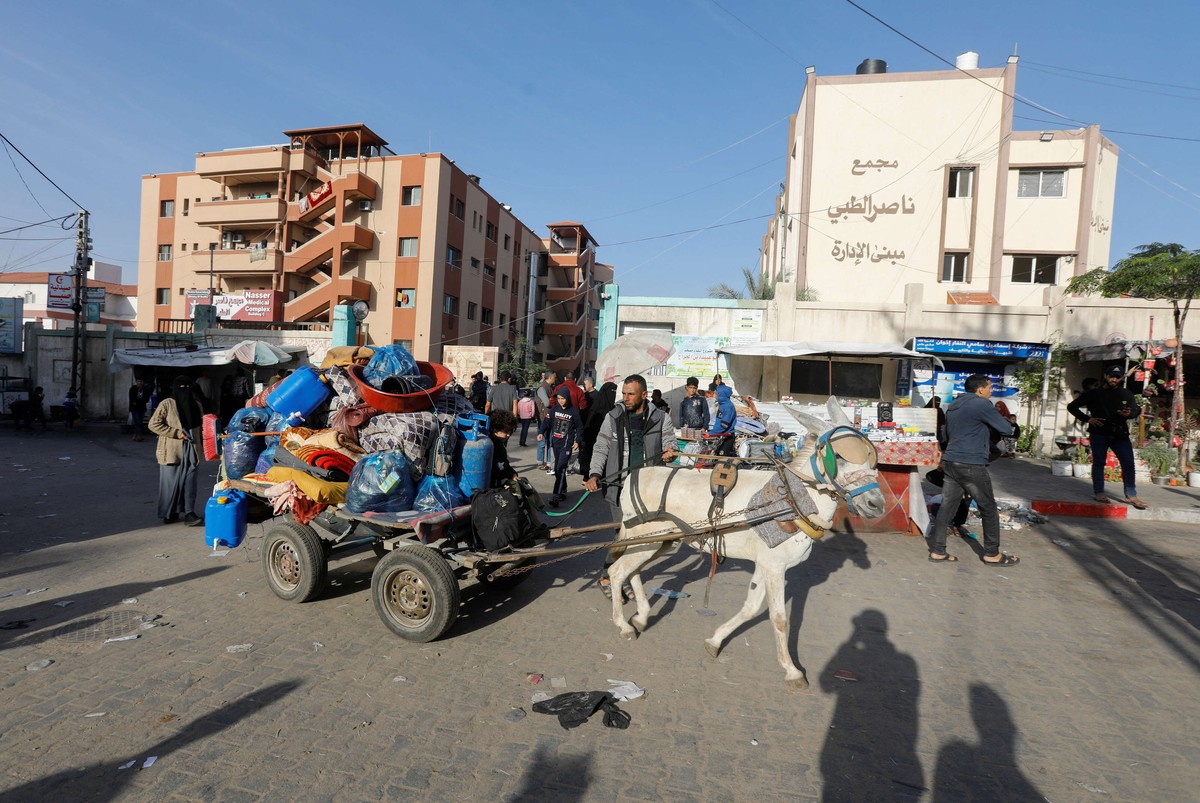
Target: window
[406, 297]
[471, 307]
[474, 263]
[507, 242]
[954, 267]
[183, 246]
[821, 378]
[408, 246]
[502, 319]
[450, 305]
[486, 317]
[488, 270]
[491, 231]
[962, 182]
[404, 344]
[410, 196]
[166, 209]
[453, 257]
[504, 282]
[1042, 184]
[162, 296]
[1035, 270]
[185, 207]
[164, 253]
[460, 209]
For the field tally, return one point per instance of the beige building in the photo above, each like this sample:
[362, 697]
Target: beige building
[901, 178]
[569, 284]
[285, 232]
[46, 298]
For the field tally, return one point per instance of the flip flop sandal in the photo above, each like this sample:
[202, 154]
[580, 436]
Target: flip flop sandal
[1137, 504]
[948, 559]
[1005, 560]
[1101, 498]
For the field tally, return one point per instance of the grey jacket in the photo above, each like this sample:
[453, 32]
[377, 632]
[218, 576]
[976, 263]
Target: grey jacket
[969, 421]
[612, 445]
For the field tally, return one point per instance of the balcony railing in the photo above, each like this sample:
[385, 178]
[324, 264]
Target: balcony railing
[252, 161]
[247, 261]
[240, 212]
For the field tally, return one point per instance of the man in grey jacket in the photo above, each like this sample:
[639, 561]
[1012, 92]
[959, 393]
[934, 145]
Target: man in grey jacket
[969, 421]
[635, 433]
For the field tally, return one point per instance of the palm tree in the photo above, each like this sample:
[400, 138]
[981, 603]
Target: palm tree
[757, 288]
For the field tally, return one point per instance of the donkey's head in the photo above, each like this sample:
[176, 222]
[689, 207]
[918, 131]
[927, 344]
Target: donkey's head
[844, 460]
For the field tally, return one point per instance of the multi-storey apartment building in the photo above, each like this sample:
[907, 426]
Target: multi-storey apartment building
[919, 178]
[286, 232]
[569, 285]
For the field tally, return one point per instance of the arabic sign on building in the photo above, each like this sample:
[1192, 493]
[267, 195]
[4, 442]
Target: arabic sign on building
[249, 305]
[746, 327]
[981, 348]
[11, 311]
[58, 292]
[696, 356]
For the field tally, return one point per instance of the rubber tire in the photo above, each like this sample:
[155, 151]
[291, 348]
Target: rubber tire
[510, 581]
[294, 561]
[415, 593]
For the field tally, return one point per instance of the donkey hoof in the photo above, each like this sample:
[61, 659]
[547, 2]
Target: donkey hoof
[712, 649]
[629, 635]
[797, 684]
[638, 622]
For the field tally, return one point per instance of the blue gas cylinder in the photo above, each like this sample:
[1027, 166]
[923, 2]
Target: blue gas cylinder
[298, 395]
[225, 519]
[473, 454]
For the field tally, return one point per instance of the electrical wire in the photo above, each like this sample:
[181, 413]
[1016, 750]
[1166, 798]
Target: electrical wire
[9, 142]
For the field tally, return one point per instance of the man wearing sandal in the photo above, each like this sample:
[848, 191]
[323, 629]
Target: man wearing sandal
[969, 421]
[1109, 408]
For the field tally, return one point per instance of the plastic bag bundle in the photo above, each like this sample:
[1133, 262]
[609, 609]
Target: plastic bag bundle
[276, 423]
[249, 419]
[381, 483]
[265, 460]
[438, 493]
[240, 454]
[391, 362]
[411, 433]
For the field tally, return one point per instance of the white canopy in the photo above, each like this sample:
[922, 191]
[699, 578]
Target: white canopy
[825, 348]
[248, 352]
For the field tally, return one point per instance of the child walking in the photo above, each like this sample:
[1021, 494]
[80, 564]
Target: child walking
[565, 428]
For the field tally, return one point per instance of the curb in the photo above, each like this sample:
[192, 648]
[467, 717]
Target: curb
[1095, 510]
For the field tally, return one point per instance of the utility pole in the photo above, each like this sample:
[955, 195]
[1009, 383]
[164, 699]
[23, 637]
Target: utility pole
[83, 246]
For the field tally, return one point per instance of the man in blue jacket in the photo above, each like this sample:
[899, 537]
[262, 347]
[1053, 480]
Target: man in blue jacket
[969, 421]
[723, 422]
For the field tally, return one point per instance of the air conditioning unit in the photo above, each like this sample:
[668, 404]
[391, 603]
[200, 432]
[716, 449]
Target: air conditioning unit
[365, 206]
[237, 238]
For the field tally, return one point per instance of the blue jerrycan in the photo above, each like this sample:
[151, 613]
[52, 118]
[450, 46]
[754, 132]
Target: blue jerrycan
[473, 454]
[301, 393]
[225, 519]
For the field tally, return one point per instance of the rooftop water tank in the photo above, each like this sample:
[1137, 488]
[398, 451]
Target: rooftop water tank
[871, 67]
[967, 61]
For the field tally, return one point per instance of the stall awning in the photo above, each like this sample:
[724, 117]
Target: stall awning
[248, 352]
[1115, 352]
[825, 348]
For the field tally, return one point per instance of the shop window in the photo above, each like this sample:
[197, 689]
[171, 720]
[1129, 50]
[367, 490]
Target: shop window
[410, 196]
[1035, 270]
[954, 267]
[1042, 184]
[962, 182]
[408, 246]
[844, 379]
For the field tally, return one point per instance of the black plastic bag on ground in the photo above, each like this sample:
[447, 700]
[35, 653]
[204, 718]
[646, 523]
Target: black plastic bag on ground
[574, 707]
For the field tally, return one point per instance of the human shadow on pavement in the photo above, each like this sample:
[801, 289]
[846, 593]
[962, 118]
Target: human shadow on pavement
[84, 612]
[104, 781]
[987, 770]
[1155, 583]
[548, 777]
[870, 750]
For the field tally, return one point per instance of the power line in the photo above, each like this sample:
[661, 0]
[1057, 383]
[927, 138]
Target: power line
[1115, 77]
[43, 175]
[42, 223]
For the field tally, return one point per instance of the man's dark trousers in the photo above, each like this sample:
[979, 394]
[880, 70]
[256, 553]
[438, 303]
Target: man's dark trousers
[976, 481]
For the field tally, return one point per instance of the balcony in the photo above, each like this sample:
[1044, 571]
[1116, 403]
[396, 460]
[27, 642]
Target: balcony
[248, 211]
[563, 329]
[303, 161]
[559, 294]
[239, 262]
[241, 166]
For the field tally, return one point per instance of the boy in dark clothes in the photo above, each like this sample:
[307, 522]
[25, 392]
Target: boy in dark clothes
[565, 429]
[502, 425]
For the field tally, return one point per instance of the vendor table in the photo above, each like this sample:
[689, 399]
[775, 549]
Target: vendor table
[899, 471]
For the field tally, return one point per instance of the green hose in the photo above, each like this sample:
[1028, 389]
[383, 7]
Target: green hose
[573, 508]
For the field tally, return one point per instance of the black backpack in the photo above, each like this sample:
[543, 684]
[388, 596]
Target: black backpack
[505, 516]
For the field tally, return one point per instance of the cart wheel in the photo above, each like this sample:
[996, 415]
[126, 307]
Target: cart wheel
[294, 561]
[509, 581]
[415, 593]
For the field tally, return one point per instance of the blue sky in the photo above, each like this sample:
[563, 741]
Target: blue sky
[639, 119]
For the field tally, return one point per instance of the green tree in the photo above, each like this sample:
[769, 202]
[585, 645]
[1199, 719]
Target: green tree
[1156, 272]
[757, 288]
[517, 356]
[1030, 378]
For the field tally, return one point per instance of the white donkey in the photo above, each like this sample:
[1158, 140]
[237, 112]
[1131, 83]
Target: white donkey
[836, 464]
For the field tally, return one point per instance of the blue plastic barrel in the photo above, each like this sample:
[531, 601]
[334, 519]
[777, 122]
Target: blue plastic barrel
[302, 392]
[473, 454]
[225, 519]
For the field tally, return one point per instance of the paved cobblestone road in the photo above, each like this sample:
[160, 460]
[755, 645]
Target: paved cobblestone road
[1072, 676]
